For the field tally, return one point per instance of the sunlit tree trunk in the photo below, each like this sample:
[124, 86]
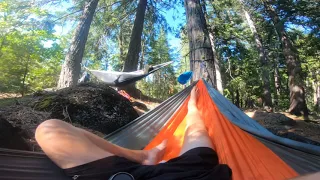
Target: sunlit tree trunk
[25, 73]
[120, 43]
[71, 68]
[298, 104]
[215, 55]
[216, 64]
[201, 55]
[131, 63]
[316, 95]
[141, 61]
[277, 79]
[267, 100]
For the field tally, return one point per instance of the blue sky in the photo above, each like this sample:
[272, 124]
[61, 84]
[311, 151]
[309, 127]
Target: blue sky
[174, 23]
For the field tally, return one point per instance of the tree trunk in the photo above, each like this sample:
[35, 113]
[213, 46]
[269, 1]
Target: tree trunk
[298, 104]
[141, 61]
[216, 63]
[3, 41]
[71, 68]
[316, 95]
[267, 100]
[277, 80]
[201, 55]
[215, 56]
[232, 97]
[131, 63]
[120, 41]
[26, 71]
[237, 103]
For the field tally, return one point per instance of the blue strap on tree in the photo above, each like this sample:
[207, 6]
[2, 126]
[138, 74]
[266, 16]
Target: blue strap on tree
[185, 77]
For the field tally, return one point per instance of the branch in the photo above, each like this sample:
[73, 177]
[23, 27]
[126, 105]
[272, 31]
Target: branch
[67, 15]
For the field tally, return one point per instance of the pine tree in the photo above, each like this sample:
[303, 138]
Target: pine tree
[267, 100]
[297, 93]
[71, 68]
[201, 55]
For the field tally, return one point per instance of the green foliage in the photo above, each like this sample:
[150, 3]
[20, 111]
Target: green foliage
[162, 84]
[26, 64]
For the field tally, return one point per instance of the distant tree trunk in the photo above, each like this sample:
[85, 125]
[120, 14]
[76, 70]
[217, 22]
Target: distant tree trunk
[237, 103]
[141, 61]
[131, 63]
[232, 97]
[26, 71]
[71, 68]
[3, 41]
[216, 64]
[297, 94]
[201, 55]
[267, 100]
[277, 80]
[316, 95]
[120, 41]
[215, 56]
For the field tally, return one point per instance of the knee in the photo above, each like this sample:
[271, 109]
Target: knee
[47, 129]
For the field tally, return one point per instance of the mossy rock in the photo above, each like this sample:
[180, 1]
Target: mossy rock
[45, 103]
[95, 106]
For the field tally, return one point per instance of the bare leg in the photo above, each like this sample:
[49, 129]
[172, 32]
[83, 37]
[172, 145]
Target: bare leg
[196, 134]
[69, 146]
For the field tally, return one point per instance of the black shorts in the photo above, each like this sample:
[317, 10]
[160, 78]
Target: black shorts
[199, 163]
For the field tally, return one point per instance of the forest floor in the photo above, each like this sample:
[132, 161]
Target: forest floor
[286, 125]
[279, 123]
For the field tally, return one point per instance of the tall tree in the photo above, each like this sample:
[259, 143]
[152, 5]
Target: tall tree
[214, 51]
[162, 84]
[295, 83]
[201, 55]
[267, 100]
[71, 68]
[131, 63]
[26, 63]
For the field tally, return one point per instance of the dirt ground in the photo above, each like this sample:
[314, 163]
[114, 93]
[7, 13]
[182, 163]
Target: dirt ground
[280, 123]
[289, 126]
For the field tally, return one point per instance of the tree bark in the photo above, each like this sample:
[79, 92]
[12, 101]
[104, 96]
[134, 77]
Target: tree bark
[277, 79]
[131, 63]
[71, 68]
[216, 64]
[215, 56]
[267, 100]
[120, 41]
[26, 71]
[316, 95]
[298, 104]
[201, 55]
[237, 103]
[141, 61]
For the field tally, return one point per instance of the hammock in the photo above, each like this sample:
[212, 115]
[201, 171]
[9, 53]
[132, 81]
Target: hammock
[251, 151]
[113, 78]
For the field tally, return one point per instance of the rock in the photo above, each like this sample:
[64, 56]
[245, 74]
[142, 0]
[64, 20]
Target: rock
[94, 106]
[10, 137]
[273, 118]
[140, 105]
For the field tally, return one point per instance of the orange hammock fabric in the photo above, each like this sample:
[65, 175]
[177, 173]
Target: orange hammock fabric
[246, 156]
